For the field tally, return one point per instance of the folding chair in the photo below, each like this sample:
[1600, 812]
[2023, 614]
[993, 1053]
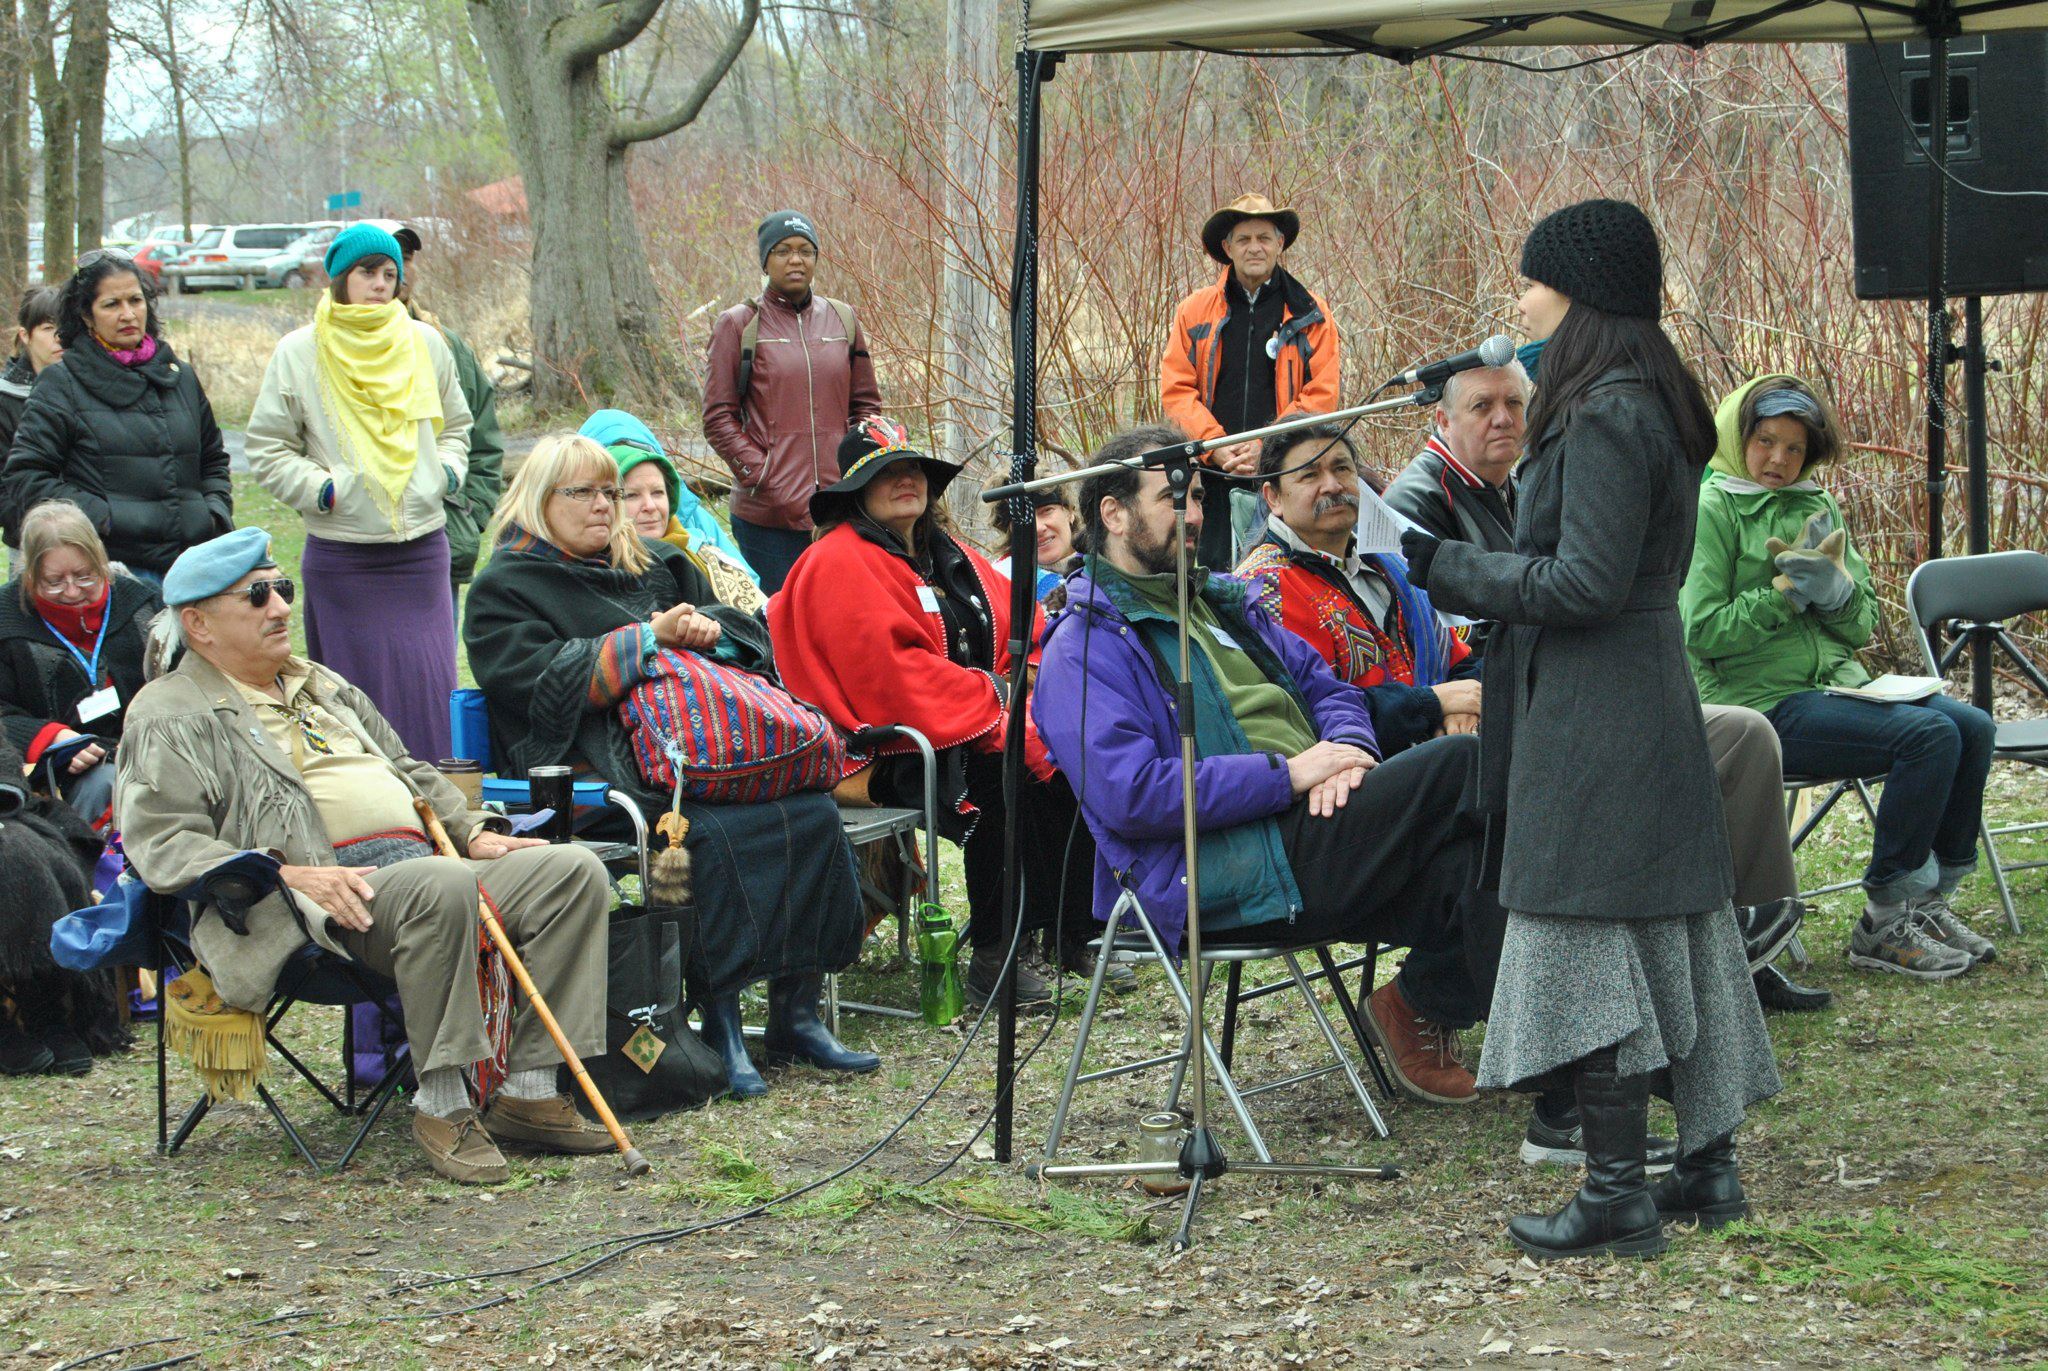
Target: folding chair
[313, 976]
[1837, 787]
[1141, 943]
[1973, 597]
[863, 826]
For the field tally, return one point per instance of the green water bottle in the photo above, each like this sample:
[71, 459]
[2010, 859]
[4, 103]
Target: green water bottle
[940, 996]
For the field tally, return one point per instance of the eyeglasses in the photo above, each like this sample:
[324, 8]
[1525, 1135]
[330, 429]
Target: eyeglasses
[799, 254]
[257, 593]
[584, 495]
[87, 581]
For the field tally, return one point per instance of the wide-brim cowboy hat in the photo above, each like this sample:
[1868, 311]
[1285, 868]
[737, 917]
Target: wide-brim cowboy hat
[868, 449]
[1246, 207]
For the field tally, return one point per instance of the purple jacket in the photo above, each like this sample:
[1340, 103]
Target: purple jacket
[1108, 721]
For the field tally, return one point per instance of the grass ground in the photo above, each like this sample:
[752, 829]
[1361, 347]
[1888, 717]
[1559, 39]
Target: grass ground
[1900, 1184]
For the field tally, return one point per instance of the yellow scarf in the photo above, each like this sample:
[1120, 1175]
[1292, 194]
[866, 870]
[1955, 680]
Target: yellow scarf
[378, 382]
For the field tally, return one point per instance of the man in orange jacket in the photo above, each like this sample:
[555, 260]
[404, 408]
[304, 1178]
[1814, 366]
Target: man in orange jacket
[1255, 347]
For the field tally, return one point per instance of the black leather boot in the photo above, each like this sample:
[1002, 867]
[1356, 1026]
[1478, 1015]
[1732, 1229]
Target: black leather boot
[1703, 1188]
[723, 1035]
[797, 1034]
[1613, 1211]
[1780, 994]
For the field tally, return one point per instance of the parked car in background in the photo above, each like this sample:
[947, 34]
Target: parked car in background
[301, 263]
[235, 258]
[164, 246]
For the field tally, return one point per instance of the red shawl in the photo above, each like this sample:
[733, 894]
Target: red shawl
[853, 638]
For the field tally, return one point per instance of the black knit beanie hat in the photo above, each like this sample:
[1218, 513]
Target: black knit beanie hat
[784, 223]
[1601, 253]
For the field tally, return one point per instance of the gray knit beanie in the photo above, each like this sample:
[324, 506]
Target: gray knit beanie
[784, 223]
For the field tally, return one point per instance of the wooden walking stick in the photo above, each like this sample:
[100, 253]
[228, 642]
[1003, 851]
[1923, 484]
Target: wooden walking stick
[636, 1165]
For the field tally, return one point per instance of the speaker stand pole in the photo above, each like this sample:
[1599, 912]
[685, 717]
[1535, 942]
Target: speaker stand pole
[1976, 440]
[1940, 20]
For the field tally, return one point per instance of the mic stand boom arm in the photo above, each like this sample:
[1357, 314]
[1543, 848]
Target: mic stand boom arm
[1164, 458]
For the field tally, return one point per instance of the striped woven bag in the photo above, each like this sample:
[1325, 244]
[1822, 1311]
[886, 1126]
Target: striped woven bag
[721, 735]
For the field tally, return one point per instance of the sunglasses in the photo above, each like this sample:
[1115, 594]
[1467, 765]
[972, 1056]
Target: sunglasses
[98, 255]
[257, 593]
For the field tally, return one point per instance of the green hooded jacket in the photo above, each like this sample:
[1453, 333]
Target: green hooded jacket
[1749, 644]
[470, 507]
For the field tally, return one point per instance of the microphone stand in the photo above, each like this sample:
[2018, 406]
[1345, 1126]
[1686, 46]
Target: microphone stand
[1201, 1158]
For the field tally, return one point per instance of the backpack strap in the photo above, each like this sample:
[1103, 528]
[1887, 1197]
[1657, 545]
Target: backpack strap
[750, 338]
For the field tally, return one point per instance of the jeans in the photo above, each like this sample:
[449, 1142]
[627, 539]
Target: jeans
[1934, 756]
[770, 551]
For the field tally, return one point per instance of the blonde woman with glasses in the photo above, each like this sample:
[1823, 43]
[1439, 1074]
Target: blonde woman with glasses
[561, 626]
[72, 631]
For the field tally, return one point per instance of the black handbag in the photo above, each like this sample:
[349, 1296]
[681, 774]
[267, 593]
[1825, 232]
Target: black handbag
[653, 1063]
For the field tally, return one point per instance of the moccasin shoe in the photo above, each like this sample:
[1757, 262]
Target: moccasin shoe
[1421, 1055]
[459, 1149]
[549, 1125]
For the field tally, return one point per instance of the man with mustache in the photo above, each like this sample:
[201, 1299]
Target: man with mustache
[1305, 834]
[1254, 347]
[244, 746]
[1357, 610]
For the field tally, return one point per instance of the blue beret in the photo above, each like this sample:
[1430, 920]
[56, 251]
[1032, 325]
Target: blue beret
[215, 565]
[358, 241]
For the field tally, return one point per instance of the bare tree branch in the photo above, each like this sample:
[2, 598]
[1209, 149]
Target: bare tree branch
[583, 38]
[625, 133]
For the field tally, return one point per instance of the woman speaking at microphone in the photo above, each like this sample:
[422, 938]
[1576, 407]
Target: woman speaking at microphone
[1621, 966]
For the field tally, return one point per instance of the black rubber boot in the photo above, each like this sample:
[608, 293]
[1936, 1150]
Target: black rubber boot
[722, 1034]
[1613, 1211]
[797, 1034]
[1703, 1188]
[21, 1054]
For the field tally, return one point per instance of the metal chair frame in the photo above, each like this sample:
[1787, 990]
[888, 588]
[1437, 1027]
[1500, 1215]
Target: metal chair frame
[1984, 622]
[174, 954]
[899, 826]
[1119, 946]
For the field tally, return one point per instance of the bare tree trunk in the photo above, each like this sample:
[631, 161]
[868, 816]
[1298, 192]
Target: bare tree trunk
[60, 204]
[14, 153]
[597, 322]
[85, 77]
[967, 319]
[174, 72]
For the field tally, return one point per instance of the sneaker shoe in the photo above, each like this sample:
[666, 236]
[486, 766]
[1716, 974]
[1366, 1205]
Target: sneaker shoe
[1766, 928]
[1903, 946]
[1034, 990]
[1939, 919]
[459, 1149]
[1420, 1054]
[549, 1125]
[1564, 1144]
[69, 1056]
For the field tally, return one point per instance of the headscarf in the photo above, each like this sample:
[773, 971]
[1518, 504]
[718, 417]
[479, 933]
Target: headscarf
[379, 383]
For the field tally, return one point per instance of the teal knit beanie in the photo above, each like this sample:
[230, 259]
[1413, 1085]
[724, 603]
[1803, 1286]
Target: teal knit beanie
[358, 241]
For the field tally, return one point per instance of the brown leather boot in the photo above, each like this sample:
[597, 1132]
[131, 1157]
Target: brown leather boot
[459, 1149]
[549, 1125]
[1419, 1053]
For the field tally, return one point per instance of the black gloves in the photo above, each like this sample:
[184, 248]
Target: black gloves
[1420, 550]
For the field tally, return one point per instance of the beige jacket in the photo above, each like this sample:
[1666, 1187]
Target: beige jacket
[200, 780]
[294, 450]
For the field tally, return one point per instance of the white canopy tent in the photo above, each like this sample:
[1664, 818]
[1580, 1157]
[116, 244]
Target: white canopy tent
[1406, 31]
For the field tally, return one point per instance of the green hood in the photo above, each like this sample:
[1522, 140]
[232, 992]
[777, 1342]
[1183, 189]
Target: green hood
[630, 455]
[1727, 457]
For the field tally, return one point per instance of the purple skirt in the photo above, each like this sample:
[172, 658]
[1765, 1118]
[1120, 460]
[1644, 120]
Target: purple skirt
[383, 616]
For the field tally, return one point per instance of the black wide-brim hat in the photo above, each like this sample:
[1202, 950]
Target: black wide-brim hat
[867, 450]
[1246, 207]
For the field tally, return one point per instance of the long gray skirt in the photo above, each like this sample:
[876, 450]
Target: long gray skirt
[1672, 992]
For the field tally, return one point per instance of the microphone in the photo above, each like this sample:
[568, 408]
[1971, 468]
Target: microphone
[1496, 351]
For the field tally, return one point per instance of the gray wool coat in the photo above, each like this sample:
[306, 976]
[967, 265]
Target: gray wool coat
[1595, 775]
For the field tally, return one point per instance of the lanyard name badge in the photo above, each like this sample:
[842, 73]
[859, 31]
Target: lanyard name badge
[101, 702]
